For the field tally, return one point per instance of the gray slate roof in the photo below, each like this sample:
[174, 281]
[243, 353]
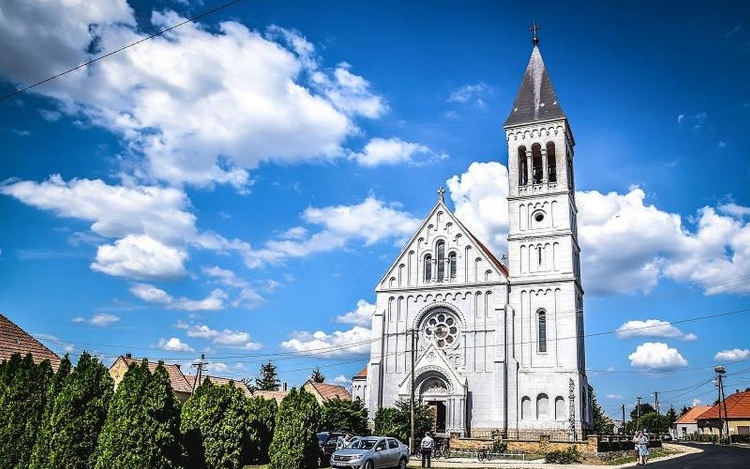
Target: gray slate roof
[536, 99]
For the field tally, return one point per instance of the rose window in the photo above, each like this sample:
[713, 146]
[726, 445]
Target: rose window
[441, 328]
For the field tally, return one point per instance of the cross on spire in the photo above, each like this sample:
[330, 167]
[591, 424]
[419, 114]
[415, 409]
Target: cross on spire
[534, 30]
[441, 194]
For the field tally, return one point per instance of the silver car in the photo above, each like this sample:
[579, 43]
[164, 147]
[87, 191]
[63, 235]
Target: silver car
[372, 452]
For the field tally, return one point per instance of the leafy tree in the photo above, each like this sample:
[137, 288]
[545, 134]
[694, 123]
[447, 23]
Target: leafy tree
[295, 442]
[216, 427]
[603, 425]
[396, 421]
[338, 414]
[268, 379]
[655, 423]
[42, 447]
[23, 395]
[142, 428]
[262, 415]
[76, 417]
[672, 416]
[317, 376]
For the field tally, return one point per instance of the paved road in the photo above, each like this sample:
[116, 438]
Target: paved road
[711, 457]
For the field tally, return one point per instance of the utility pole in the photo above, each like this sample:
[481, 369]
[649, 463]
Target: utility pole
[623, 419]
[412, 440]
[720, 372]
[198, 375]
[637, 415]
[656, 402]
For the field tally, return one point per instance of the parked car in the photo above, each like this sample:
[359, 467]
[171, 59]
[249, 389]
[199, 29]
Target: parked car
[327, 443]
[371, 452]
[666, 437]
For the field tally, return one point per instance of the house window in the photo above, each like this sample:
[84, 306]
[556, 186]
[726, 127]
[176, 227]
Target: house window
[525, 408]
[559, 408]
[542, 326]
[452, 264]
[542, 406]
[428, 268]
[440, 261]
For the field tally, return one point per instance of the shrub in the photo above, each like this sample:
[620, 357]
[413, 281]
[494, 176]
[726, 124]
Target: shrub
[564, 456]
[295, 441]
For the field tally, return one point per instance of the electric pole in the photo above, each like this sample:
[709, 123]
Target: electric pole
[198, 375]
[720, 372]
[413, 379]
[656, 402]
[623, 419]
[637, 415]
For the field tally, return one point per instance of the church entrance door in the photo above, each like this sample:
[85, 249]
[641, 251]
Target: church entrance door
[438, 411]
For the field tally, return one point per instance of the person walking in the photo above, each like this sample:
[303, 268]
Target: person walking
[426, 447]
[643, 449]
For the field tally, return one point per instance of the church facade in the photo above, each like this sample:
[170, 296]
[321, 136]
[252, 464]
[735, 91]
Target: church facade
[490, 346]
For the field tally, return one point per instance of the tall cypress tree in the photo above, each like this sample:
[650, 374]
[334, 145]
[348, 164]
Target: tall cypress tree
[262, 414]
[76, 419]
[216, 426]
[295, 442]
[42, 448]
[142, 425]
[22, 403]
[268, 379]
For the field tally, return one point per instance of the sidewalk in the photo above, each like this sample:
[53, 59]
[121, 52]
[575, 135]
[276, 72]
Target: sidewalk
[473, 463]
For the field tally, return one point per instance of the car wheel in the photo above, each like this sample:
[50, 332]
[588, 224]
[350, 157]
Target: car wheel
[369, 464]
[402, 463]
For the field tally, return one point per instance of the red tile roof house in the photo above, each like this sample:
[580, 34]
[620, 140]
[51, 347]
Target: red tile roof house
[325, 392]
[180, 384]
[13, 339]
[737, 414]
[219, 381]
[687, 425]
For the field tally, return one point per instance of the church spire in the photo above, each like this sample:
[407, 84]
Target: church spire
[536, 99]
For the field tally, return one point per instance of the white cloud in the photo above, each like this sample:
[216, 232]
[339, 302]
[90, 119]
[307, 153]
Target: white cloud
[168, 98]
[732, 355]
[355, 341]
[99, 320]
[227, 337]
[342, 380]
[470, 94]
[371, 220]
[140, 257]
[152, 294]
[480, 199]
[174, 344]
[656, 356]
[614, 396]
[361, 316]
[217, 367]
[380, 151]
[651, 328]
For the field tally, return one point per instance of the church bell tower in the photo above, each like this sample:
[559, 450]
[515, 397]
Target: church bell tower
[544, 259]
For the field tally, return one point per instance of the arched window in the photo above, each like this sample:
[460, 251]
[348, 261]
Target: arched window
[559, 408]
[525, 408]
[523, 171]
[440, 261]
[542, 326]
[542, 406]
[551, 162]
[427, 268]
[452, 264]
[536, 162]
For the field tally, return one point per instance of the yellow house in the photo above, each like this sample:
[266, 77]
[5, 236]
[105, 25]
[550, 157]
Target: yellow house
[735, 410]
[180, 385]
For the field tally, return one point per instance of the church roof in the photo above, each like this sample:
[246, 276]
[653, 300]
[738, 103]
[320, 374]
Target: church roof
[361, 374]
[536, 99]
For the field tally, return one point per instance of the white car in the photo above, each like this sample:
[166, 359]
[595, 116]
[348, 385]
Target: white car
[371, 452]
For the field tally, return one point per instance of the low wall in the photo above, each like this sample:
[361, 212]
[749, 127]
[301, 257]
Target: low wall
[542, 445]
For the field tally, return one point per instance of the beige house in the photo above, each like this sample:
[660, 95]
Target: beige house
[13, 339]
[180, 384]
[688, 424]
[324, 392]
[734, 410]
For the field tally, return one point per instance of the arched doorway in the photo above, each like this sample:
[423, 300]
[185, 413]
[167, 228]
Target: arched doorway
[433, 392]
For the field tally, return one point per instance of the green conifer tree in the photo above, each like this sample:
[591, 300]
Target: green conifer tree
[142, 428]
[22, 404]
[262, 414]
[76, 419]
[317, 376]
[42, 447]
[268, 379]
[216, 427]
[295, 443]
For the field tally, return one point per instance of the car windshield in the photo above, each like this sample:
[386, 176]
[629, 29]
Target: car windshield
[363, 444]
[322, 438]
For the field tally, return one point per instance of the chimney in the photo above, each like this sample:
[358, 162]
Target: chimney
[283, 386]
[128, 356]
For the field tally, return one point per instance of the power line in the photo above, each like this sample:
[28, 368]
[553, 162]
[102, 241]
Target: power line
[109, 54]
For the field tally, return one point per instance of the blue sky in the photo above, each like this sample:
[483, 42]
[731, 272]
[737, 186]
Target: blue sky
[238, 186]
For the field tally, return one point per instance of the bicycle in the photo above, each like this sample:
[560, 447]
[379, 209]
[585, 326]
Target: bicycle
[483, 454]
[442, 450]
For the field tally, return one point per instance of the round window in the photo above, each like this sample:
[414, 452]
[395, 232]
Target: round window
[442, 329]
[538, 217]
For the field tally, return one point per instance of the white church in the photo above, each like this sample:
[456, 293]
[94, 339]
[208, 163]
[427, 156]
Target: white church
[493, 347]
